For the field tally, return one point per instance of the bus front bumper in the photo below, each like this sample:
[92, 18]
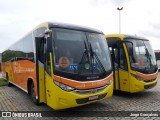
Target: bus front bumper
[139, 86]
[71, 99]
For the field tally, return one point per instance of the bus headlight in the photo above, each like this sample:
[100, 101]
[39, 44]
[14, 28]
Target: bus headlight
[110, 81]
[137, 77]
[64, 87]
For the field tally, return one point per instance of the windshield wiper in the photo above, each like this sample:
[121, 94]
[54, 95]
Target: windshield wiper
[149, 56]
[93, 54]
[85, 54]
[88, 57]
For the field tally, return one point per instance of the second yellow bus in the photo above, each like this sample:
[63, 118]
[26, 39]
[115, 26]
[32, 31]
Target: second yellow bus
[133, 61]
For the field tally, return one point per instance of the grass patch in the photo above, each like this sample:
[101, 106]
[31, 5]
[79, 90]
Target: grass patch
[3, 82]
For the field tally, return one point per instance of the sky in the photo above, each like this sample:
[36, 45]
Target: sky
[138, 17]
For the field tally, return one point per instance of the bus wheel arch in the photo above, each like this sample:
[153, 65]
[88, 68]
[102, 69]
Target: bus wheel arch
[29, 82]
[31, 91]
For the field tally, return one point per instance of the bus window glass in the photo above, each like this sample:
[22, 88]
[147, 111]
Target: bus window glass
[68, 49]
[100, 47]
[143, 57]
[80, 52]
[151, 52]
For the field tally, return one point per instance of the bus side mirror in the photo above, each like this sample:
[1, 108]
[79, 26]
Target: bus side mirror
[48, 33]
[48, 38]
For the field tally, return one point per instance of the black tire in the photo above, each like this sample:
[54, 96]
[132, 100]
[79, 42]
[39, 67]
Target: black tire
[33, 94]
[7, 78]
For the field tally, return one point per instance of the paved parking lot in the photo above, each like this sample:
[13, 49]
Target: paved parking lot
[14, 99]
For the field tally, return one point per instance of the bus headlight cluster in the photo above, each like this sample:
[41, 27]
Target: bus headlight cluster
[110, 81]
[137, 77]
[64, 87]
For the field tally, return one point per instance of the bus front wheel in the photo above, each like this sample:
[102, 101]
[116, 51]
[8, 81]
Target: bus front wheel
[33, 94]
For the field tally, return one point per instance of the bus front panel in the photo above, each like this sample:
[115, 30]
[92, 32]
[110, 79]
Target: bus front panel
[58, 98]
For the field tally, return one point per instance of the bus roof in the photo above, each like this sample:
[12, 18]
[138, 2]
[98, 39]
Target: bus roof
[74, 27]
[61, 25]
[67, 26]
[157, 51]
[124, 36]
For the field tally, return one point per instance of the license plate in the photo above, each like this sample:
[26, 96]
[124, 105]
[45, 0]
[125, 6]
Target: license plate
[93, 97]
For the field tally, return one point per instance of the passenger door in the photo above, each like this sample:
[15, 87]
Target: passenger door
[40, 61]
[123, 69]
[48, 72]
[43, 48]
[114, 56]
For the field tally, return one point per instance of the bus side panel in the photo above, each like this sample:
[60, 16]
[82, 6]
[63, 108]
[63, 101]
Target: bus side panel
[19, 63]
[124, 81]
[7, 69]
[24, 70]
[19, 72]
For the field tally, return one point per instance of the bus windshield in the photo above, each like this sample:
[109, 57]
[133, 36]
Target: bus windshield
[142, 57]
[80, 53]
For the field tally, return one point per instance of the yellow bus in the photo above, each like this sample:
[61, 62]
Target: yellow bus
[61, 65]
[133, 61]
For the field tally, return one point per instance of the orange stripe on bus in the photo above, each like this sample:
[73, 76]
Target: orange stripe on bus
[147, 77]
[57, 78]
[83, 85]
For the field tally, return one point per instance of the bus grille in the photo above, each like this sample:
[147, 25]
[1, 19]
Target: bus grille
[151, 80]
[90, 91]
[150, 86]
[85, 100]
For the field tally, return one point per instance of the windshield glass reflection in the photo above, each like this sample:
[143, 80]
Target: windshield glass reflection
[142, 56]
[73, 54]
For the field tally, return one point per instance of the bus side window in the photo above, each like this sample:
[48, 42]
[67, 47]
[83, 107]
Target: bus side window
[123, 61]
